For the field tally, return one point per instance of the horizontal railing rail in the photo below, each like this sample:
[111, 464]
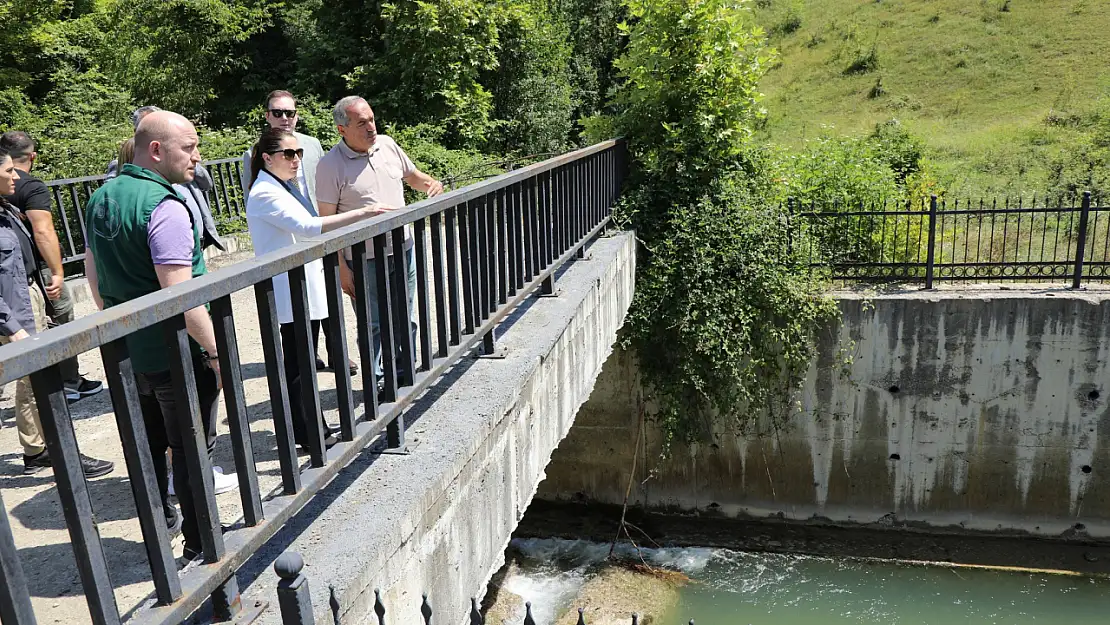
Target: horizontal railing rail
[960, 241]
[479, 252]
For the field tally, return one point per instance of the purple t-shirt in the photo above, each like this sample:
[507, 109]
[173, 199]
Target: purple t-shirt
[170, 234]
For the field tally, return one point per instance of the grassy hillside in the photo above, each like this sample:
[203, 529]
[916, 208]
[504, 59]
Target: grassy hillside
[1000, 90]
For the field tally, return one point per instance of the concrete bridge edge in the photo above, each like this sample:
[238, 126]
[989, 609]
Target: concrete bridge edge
[438, 519]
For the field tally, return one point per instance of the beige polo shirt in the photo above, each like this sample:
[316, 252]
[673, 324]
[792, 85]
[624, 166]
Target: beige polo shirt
[352, 180]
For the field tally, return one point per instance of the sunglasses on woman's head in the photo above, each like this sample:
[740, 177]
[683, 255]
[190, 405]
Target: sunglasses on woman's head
[283, 112]
[289, 153]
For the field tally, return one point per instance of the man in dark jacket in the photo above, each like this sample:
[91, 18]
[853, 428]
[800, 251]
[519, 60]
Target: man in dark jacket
[32, 200]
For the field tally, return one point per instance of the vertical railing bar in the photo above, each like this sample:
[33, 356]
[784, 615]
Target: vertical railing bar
[527, 206]
[274, 358]
[483, 267]
[241, 201]
[402, 314]
[306, 365]
[518, 236]
[15, 598]
[438, 281]
[363, 316]
[238, 421]
[58, 202]
[65, 217]
[473, 210]
[490, 240]
[502, 249]
[337, 347]
[120, 379]
[423, 306]
[193, 438]
[224, 183]
[73, 491]
[454, 307]
[931, 250]
[466, 252]
[1081, 241]
[385, 321]
[512, 200]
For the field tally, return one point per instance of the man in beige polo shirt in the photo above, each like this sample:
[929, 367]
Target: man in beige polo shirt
[367, 169]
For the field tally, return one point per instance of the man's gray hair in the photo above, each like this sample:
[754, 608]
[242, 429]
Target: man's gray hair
[339, 113]
[138, 114]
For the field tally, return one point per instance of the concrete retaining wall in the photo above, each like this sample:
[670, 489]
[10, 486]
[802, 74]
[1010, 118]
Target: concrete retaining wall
[438, 518]
[974, 411]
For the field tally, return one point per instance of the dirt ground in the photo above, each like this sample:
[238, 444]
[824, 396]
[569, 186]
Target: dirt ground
[32, 502]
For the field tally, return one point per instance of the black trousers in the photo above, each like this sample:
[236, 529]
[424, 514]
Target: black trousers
[165, 423]
[292, 379]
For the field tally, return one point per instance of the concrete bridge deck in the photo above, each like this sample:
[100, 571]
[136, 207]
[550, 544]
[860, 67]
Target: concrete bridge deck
[435, 518]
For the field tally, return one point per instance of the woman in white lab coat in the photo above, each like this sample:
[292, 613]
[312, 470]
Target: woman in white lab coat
[279, 215]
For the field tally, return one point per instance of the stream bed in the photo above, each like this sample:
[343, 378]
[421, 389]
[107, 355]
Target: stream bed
[722, 587]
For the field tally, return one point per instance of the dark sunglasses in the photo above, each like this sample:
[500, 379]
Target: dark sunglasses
[289, 153]
[283, 112]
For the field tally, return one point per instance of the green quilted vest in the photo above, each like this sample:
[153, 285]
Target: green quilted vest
[116, 221]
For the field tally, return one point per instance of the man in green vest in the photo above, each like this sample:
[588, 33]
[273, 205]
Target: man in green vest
[141, 238]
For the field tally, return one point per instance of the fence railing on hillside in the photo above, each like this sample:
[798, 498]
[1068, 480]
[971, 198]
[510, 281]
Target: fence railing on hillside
[70, 196]
[480, 251]
[961, 241]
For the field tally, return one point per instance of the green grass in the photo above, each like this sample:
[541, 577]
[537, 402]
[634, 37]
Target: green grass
[977, 83]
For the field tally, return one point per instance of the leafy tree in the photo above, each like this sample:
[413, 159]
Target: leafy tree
[531, 85]
[725, 308]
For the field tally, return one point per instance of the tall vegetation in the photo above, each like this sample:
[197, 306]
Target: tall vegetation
[725, 309]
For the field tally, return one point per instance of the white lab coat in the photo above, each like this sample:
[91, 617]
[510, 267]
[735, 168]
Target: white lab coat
[276, 219]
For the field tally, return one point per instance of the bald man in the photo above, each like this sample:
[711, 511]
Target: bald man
[141, 238]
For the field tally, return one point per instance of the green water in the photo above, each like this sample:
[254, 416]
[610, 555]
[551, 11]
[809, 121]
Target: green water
[734, 588]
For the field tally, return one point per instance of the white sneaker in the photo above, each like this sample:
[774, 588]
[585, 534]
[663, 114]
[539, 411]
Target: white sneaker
[223, 483]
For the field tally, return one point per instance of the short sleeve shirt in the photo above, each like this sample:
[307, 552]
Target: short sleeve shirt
[170, 234]
[353, 180]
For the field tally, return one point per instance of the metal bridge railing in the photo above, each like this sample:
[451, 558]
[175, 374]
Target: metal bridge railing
[960, 240]
[72, 194]
[490, 246]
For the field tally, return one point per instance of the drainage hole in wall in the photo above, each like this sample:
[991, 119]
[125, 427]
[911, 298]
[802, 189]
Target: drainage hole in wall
[1093, 395]
[895, 457]
[1086, 468]
[894, 389]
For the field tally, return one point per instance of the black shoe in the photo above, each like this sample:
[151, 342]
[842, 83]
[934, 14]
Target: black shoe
[94, 467]
[320, 366]
[173, 525]
[351, 366]
[82, 388]
[34, 464]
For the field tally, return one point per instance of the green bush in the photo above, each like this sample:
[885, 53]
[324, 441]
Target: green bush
[725, 309]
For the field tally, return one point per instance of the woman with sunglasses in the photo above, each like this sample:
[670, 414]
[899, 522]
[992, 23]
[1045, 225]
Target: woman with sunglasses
[279, 215]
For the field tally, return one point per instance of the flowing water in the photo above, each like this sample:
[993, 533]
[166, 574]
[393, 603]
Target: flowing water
[735, 588]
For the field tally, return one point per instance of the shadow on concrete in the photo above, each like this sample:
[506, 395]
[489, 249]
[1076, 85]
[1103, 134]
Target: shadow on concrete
[56, 567]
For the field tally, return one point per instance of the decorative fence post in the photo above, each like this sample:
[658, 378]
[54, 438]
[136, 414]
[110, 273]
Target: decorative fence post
[931, 252]
[1081, 244]
[293, 596]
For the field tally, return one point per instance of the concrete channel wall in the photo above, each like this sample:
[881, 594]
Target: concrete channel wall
[981, 411]
[438, 517]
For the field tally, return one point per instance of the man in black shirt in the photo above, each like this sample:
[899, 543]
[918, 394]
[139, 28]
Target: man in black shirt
[32, 198]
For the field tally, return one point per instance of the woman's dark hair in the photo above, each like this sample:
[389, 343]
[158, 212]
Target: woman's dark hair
[4, 153]
[270, 141]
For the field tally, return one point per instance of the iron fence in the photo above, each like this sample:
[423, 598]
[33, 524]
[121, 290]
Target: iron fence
[961, 240]
[482, 249]
[295, 601]
[70, 196]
